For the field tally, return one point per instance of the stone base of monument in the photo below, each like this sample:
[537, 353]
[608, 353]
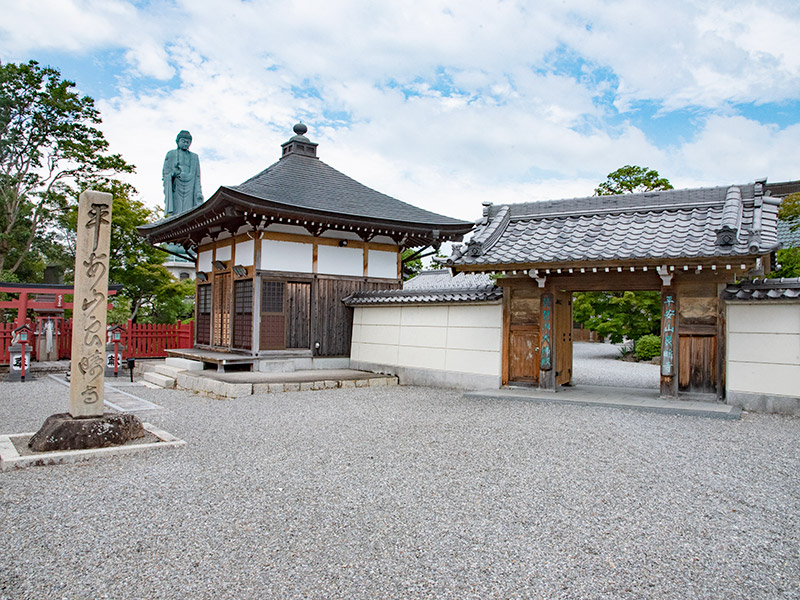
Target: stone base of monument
[64, 432]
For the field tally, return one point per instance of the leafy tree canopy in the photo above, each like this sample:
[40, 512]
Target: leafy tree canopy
[790, 210]
[788, 259]
[150, 293]
[619, 315]
[631, 179]
[50, 148]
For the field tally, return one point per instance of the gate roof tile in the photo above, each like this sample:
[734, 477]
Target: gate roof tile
[657, 225]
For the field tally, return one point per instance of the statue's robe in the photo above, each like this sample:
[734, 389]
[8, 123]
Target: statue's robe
[181, 192]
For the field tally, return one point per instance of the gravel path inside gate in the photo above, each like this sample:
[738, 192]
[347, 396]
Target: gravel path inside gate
[599, 364]
[406, 493]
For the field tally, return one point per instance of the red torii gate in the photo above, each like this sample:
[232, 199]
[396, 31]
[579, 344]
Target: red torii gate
[41, 305]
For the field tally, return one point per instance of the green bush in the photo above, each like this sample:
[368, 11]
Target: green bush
[648, 347]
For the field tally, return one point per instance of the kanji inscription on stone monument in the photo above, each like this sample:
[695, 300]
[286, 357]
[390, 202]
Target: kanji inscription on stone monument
[92, 250]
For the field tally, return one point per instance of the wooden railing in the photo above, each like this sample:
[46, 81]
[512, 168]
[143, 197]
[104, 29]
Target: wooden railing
[140, 340]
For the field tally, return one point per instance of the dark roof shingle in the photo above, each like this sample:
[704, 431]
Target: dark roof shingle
[433, 287]
[764, 289]
[307, 182]
[653, 225]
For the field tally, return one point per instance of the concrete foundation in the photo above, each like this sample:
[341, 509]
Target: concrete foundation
[431, 377]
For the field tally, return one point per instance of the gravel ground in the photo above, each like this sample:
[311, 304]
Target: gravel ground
[407, 493]
[599, 364]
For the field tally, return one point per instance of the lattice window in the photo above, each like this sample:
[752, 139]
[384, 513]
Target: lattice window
[222, 309]
[272, 296]
[203, 321]
[243, 314]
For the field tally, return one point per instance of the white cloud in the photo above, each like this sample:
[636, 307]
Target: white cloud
[441, 104]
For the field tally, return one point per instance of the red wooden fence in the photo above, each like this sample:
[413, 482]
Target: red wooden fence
[5, 341]
[140, 340]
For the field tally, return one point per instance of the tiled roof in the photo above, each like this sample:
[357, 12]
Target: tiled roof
[764, 289]
[707, 222]
[787, 237]
[307, 182]
[430, 287]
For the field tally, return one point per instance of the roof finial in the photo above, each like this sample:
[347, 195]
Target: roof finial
[300, 128]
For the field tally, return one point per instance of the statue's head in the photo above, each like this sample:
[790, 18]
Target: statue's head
[184, 140]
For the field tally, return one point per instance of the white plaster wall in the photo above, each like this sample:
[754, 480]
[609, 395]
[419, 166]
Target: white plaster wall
[452, 339]
[223, 253]
[245, 253]
[382, 264]
[338, 260]
[204, 261]
[287, 256]
[763, 348]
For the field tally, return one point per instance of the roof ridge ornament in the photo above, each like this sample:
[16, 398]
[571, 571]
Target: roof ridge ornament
[299, 143]
[728, 232]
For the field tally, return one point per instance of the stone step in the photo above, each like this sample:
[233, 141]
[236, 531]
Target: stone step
[277, 365]
[168, 370]
[325, 384]
[159, 379]
[184, 363]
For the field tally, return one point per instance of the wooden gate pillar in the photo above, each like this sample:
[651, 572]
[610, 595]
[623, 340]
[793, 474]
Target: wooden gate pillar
[547, 343]
[669, 336]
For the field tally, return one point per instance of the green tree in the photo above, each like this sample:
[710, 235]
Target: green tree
[790, 211]
[50, 147]
[618, 315]
[152, 293]
[789, 258]
[631, 179]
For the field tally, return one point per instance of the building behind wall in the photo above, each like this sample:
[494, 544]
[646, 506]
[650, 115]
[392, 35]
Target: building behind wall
[277, 253]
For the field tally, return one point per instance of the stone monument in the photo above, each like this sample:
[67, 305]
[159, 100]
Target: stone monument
[181, 176]
[86, 426]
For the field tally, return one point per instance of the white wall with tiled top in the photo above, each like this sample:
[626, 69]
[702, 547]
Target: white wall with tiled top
[455, 345]
[763, 356]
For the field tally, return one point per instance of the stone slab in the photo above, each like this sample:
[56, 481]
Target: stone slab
[184, 364]
[118, 399]
[168, 370]
[599, 396]
[10, 459]
[159, 380]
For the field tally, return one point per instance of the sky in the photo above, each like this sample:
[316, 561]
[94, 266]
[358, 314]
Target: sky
[441, 104]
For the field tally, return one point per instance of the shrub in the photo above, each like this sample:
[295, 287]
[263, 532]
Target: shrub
[648, 347]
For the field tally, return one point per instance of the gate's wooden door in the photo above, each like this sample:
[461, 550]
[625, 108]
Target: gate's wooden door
[523, 335]
[697, 371]
[563, 337]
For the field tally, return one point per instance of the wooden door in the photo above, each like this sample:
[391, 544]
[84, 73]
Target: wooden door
[298, 309]
[243, 314]
[697, 334]
[273, 316]
[222, 309]
[697, 371]
[563, 337]
[523, 334]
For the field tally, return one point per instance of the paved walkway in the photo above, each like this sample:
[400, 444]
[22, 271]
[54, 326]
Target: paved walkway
[118, 399]
[613, 397]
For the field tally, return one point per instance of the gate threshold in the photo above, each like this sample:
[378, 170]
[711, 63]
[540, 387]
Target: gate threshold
[613, 397]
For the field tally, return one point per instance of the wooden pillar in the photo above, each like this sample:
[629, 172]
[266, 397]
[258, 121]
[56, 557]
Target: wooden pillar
[22, 311]
[256, 347]
[547, 343]
[669, 341]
